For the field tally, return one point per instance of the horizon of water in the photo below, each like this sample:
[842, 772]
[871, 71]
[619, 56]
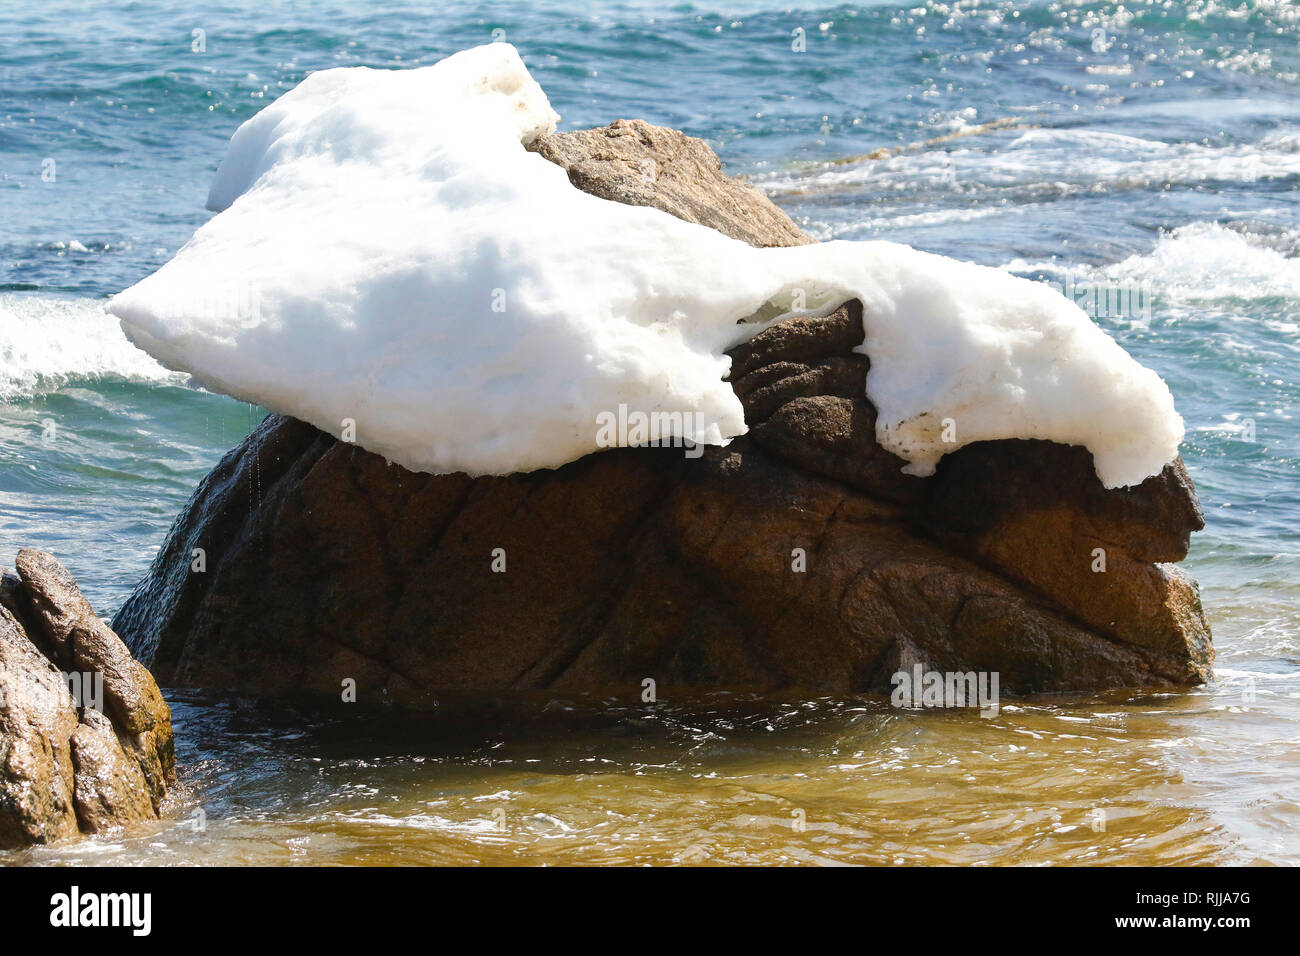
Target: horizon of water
[1148, 150]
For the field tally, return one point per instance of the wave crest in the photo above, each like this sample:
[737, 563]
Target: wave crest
[47, 343]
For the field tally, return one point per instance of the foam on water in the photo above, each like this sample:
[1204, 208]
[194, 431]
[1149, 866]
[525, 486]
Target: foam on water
[403, 263]
[1046, 160]
[46, 343]
[1199, 262]
[1203, 261]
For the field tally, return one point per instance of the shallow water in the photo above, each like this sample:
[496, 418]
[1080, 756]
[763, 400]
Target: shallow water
[1159, 161]
[1099, 781]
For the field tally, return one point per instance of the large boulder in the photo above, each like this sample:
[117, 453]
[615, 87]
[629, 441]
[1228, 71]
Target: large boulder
[88, 763]
[798, 558]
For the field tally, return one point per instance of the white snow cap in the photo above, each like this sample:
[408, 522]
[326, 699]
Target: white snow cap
[387, 252]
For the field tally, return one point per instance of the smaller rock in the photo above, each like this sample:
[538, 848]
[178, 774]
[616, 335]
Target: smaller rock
[37, 719]
[66, 767]
[88, 645]
[109, 785]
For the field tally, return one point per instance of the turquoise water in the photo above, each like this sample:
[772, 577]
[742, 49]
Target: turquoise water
[1147, 150]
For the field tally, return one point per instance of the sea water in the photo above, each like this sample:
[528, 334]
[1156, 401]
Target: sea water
[1143, 157]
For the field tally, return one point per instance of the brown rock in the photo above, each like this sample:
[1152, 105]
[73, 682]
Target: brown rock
[110, 787]
[11, 593]
[64, 766]
[88, 645]
[632, 162]
[37, 718]
[325, 563]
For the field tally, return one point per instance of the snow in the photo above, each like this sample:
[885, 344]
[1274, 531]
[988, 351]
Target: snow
[388, 255]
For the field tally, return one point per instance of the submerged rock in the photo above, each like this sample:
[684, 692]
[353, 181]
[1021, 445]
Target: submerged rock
[69, 765]
[798, 558]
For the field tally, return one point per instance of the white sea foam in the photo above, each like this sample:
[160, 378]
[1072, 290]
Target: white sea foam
[415, 270]
[1046, 161]
[1196, 263]
[47, 342]
[1203, 261]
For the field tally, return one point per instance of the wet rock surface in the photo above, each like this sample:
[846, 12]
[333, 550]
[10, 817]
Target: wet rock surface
[88, 763]
[799, 558]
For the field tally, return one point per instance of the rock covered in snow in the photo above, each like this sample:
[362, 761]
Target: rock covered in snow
[799, 557]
